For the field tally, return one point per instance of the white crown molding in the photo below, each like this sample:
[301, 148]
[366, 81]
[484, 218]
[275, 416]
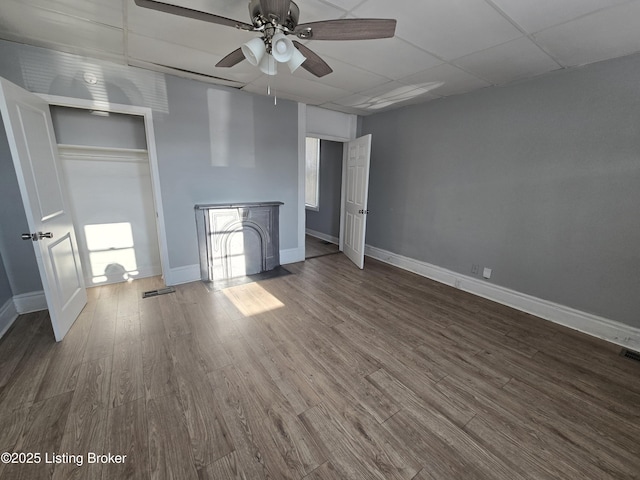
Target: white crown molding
[600, 327]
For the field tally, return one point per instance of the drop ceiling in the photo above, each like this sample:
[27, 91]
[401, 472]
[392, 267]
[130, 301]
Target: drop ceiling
[441, 47]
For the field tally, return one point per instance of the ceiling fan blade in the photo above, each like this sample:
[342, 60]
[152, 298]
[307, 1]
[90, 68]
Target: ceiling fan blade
[232, 59]
[313, 63]
[347, 29]
[275, 9]
[189, 13]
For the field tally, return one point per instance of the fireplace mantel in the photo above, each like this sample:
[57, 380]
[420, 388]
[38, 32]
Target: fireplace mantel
[237, 239]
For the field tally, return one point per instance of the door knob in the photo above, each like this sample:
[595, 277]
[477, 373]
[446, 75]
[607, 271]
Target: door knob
[45, 235]
[29, 236]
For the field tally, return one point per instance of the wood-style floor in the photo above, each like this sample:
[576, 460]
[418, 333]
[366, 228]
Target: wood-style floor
[329, 373]
[315, 247]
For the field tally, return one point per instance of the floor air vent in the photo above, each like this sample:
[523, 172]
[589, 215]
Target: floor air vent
[160, 291]
[630, 354]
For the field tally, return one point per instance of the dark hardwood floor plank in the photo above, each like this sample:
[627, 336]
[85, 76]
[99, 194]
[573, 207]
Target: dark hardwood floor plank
[170, 455]
[173, 318]
[67, 356]
[300, 394]
[126, 377]
[43, 431]
[351, 432]
[15, 343]
[127, 435]
[103, 329]
[243, 420]
[22, 387]
[11, 425]
[326, 471]
[208, 432]
[433, 422]
[87, 421]
[287, 442]
[440, 459]
[225, 468]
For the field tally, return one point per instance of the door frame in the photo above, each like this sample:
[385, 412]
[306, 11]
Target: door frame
[147, 115]
[348, 135]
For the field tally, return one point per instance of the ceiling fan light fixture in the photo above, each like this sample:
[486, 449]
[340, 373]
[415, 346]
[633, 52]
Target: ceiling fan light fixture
[282, 48]
[254, 51]
[268, 65]
[296, 60]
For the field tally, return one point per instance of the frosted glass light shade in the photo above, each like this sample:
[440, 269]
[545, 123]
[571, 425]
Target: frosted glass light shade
[296, 60]
[268, 65]
[281, 48]
[254, 51]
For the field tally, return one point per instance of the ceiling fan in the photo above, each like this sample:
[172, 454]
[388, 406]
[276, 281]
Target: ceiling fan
[275, 20]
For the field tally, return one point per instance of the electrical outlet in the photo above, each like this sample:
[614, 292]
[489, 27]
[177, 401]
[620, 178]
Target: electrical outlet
[475, 269]
[486, 273]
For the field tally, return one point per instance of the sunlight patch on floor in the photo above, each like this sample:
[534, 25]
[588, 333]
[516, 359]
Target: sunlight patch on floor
[252, 299]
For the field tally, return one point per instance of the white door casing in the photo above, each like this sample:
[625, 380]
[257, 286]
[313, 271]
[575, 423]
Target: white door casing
[358, 155]
[29, 129]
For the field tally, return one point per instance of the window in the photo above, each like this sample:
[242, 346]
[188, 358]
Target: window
[312, 177]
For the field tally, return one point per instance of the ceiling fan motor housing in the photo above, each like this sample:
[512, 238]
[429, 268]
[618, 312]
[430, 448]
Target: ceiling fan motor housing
[260, 18]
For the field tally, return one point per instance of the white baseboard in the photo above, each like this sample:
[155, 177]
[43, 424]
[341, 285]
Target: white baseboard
[292, 255]
[30, 302]
[322, 236]
[179, 275]
[8, 315]
[600, 327]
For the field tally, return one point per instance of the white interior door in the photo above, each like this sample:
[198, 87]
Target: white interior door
[27, 121]
[358, 154]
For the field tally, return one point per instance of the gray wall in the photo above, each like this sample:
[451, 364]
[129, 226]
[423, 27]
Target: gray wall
[74, 126]
[5, 288]
[5, 296]
[539, 181]
[327, 219]
[18, 256]
[189, 117]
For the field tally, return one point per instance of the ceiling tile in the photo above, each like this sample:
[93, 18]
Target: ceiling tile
[390, 57]
[314, 11]
[606, 34]
[107, 13]
[234, 9]
[203, 36]
[507, 62]
[455, 80]
[45, 27]
[344, 76]
[343, 109]
[384, 96]
[288, 86]
[185, 58]
[449, 29]
[343, 4]
[541, 14]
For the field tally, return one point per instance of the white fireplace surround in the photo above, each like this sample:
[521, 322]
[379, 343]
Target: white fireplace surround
[238, 239]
